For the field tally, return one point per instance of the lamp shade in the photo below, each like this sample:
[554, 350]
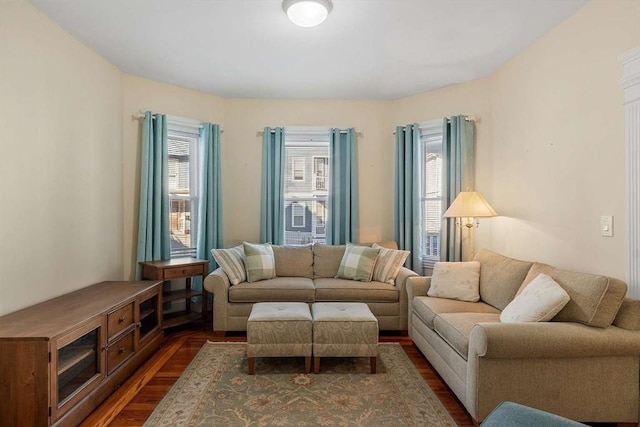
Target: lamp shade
[469, 204]
[307, 13]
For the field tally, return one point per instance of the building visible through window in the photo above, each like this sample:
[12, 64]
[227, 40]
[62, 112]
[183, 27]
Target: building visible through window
[298, 168]
[183, 201]
[298, 215]
[306, 186]
[431, 152]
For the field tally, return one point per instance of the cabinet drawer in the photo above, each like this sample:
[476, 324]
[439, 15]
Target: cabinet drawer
[119, 351]
[119, 320]
[186, 271]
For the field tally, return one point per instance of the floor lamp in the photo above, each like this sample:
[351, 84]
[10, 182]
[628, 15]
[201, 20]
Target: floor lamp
[470, 205]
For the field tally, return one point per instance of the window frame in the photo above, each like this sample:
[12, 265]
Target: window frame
[307, 137]
[303, 214]
[301, 162]
[187, 131]
[430, 243]
[314, 161]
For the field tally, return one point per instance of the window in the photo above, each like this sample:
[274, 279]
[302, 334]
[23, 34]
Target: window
[298, 215]
[306, 200]
[182, 143]
[298, 168]
[320, 172]
[431, 201]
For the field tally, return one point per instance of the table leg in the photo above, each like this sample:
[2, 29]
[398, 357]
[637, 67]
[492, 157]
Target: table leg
[187, 282]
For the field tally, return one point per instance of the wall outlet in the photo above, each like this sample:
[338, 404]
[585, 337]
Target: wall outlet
[606, 226]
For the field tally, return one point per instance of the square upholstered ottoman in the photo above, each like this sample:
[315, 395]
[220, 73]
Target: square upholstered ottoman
[344, 329]
[279, 329]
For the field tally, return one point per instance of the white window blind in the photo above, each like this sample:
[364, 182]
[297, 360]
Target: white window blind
[431, 201]
[182, 141]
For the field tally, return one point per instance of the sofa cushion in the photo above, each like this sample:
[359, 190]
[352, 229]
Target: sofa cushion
[456, 280]
[595, 300]
[326, 259]
[232, 263]
[357, 263]
[542, 299]
[427, 308]
[293, 261]
[388, 264]
[628, 316]
[352, 290]
[293, 289]
[500, 277]
[455, 328]
[259, 261]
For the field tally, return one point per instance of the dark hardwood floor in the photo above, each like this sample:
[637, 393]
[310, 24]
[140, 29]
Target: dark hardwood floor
[132, 403]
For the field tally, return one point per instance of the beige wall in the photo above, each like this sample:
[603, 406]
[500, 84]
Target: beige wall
[557, 143]
[60, 161]
[470, 99]
[141, 95]
[549, 151]
[242, 154]
[550, 142]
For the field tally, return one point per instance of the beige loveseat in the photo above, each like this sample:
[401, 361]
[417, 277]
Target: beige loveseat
[583, 365]
[307, 274]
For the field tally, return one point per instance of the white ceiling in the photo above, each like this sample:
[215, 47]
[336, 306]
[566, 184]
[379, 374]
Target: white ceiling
[377, 49]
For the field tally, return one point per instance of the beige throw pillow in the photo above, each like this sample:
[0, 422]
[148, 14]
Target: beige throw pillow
[232, 263]
[456, 280]
[540, 301]
[388, 264]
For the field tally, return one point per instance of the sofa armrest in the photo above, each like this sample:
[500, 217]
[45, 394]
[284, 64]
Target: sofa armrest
[217, 282]
[550, 340]
[401, 283]
[574, 368]
[416, 286]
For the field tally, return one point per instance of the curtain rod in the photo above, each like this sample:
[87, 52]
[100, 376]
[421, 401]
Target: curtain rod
[261, 132]
[140, 115]
[471, 119]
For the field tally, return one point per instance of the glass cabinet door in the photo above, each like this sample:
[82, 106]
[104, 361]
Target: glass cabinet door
[77, 365]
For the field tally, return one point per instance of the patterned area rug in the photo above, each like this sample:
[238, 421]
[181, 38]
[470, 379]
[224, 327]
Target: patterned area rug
[215, 390]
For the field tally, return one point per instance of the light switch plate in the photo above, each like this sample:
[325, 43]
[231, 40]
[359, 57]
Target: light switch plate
[606, 226]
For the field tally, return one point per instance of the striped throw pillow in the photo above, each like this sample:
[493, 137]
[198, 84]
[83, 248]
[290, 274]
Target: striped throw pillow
[259, 261]
[357, 263]
[231, 262]
[388, 264]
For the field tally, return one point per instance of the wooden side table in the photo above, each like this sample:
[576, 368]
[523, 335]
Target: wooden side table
[180, 268]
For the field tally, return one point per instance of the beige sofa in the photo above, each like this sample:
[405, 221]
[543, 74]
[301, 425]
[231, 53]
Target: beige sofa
[306, 274]
[583, 365]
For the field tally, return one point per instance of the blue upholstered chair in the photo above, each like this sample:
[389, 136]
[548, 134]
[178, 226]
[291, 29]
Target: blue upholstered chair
[516, 415]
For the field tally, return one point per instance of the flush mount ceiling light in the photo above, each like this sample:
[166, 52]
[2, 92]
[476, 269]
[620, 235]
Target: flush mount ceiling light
[307, 13]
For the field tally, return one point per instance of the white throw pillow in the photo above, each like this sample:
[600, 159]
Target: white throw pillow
[232, 263]
[388, 264]
[540, 301]
[456, 280]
